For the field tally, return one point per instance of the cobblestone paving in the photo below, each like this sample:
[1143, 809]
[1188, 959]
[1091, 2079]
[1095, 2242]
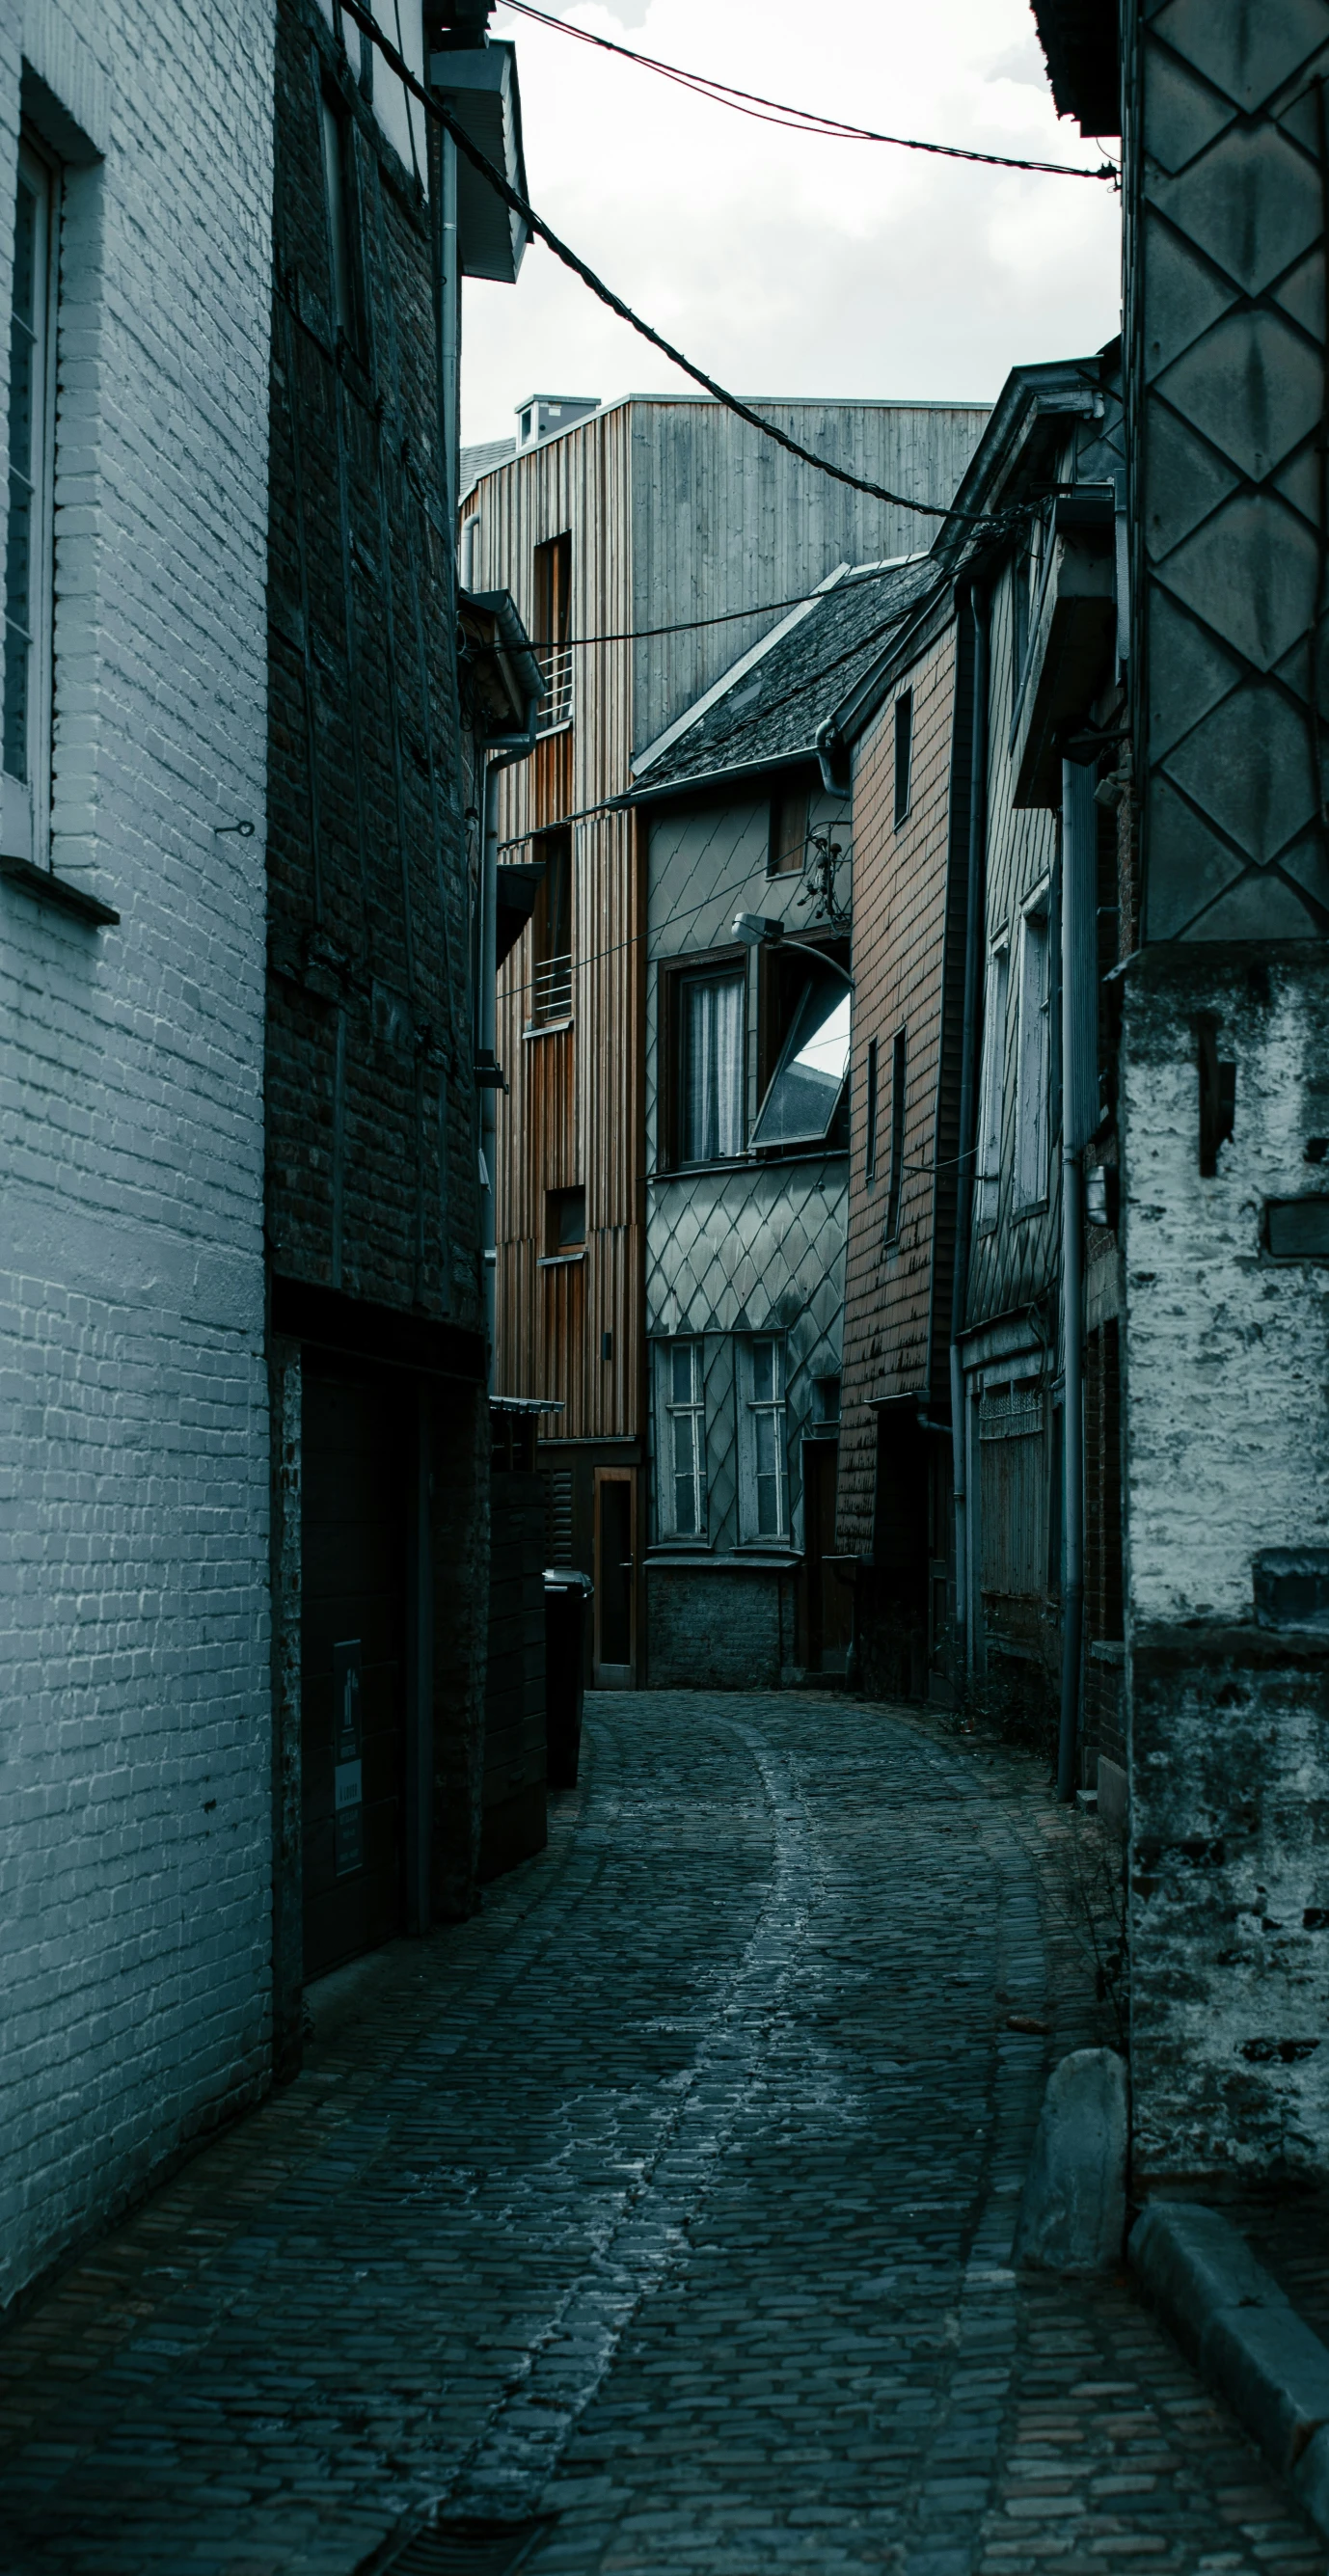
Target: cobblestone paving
[673, 2195]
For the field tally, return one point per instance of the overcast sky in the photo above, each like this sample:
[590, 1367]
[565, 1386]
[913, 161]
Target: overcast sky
[784, 264]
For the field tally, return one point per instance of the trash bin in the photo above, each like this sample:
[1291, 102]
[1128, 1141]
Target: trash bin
[567, 1598]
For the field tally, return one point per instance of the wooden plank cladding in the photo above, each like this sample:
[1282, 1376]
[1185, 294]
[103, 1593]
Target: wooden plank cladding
[572, 1118]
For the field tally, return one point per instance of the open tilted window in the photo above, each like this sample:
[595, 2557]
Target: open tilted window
[806, 1087]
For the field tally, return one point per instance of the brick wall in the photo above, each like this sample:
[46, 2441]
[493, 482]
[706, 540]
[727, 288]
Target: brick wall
[372, 1171]
[900, 920]
[135, 1794]
[719, 1628]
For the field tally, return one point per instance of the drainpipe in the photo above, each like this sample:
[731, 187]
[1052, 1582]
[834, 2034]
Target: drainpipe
[1078, 924]
[499, 753]
[964, 1201]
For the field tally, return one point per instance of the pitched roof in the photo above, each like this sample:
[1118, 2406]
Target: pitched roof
[767, 709]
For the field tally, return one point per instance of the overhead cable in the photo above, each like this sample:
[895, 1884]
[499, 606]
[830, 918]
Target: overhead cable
[726, 616]
[801, 120]
[541, 231]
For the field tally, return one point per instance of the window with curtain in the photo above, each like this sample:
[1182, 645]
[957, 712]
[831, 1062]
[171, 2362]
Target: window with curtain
[711, 1070]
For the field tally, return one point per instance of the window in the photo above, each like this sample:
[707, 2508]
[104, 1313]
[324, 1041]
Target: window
[565, 1222]
[765, 1475]
[789, 835]
[899, 1080]
[710, 1051]
[992, 1083]
[30, 544]
[553, 609]
[826, 1403]
[1032, 1058]
[683, 1445]
[551, 943]
[337, 150]
[808, 1082]
[870, 1117]
[904, 745]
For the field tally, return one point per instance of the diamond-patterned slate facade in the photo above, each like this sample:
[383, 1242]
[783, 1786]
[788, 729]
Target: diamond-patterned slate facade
[1226, 319]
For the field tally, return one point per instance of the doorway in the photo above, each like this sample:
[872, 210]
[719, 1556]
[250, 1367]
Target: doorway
[615, 1656]
[828, 1597]
[354, 1487]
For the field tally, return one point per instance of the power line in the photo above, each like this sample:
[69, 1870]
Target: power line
[801, 120]
[727, 617]
[541, 231]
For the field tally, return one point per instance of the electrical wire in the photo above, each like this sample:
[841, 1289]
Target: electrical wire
[728, 616]
[681, 912]
[801, 120]
[541, 231]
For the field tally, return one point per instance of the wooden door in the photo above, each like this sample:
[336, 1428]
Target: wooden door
[615, 1656]
[354, 1491]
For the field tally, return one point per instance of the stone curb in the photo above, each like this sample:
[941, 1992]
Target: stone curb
[1244, 2335]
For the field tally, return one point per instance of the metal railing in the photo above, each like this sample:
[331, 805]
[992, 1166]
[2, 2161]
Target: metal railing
[551, 991]
[556, 665]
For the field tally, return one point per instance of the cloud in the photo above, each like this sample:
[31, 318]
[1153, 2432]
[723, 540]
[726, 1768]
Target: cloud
[783, 263]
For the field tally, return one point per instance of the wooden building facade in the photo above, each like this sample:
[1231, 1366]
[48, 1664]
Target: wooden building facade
[646, 513]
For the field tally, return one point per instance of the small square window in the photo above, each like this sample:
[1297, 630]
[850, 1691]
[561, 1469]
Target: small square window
[565, 1220]
[789, 835]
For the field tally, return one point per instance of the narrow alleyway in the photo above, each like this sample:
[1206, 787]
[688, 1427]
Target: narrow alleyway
[674, 2196]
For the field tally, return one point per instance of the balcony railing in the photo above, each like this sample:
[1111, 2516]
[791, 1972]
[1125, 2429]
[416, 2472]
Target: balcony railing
[556, 664]
[551, 991]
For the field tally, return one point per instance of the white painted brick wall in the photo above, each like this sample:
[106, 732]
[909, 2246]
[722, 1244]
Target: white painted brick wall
[1227, 1357]
[134, 1742]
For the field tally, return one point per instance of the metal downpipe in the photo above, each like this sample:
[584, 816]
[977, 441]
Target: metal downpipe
[964, 1198]
[1078, 928]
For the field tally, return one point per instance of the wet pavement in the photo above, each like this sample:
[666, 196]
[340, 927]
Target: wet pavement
[672, 2197]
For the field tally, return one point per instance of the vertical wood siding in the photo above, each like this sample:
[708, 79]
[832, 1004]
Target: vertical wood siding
[573, 1115]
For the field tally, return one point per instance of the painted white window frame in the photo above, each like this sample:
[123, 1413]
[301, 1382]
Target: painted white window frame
[992, 1085]
[762, 1411]
[674, 1412]
[1033, 1053]
[25, 817]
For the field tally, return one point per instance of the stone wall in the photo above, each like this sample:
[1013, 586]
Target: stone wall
[1225, 1392]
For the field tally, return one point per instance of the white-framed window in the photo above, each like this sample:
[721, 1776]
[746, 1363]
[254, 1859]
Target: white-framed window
[763, 1449]
[992, 1086]
[1033, 1055]
[30, 536]
[683, 1441]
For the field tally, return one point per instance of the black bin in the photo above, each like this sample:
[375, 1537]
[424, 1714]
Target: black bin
[567, 1599]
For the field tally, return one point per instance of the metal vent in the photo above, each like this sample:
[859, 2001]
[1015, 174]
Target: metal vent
[459, 2545]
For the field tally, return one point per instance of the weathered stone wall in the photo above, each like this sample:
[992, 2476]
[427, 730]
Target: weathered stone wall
[1225, 1395]
[135, 1792]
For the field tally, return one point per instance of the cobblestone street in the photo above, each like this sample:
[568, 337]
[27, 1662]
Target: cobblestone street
[673, 2196]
